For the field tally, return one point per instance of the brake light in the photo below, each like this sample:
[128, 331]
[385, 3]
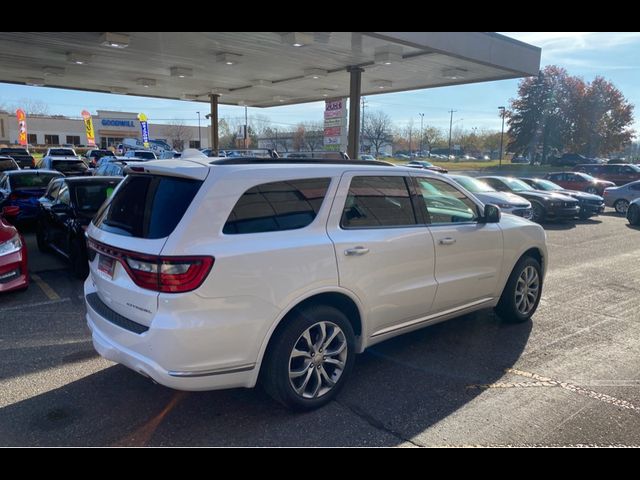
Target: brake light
[167, 274]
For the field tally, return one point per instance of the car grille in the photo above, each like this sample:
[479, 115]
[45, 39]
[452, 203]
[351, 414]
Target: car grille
[114, 317]
[570, 204]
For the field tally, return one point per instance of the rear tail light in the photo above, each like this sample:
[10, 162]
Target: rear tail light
[167, 274]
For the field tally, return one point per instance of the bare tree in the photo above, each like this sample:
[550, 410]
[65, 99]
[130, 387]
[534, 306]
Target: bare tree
[313, 136]
[32, 106]
[177, 133]
[378, 130]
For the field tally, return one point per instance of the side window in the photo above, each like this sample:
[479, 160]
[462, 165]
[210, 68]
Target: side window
[444, 203]
[497, 184]
[375, 202]
[277, 206]
[569, 177]
[63, 195]
[52, 191]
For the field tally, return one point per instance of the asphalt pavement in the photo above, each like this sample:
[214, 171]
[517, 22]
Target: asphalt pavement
[571, 377]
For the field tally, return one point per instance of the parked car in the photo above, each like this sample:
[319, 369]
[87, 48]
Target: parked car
[426, 165]
[14, 273]
[68, 166]
[507, 201]
[633, 212]
[545, 205]
[569, 160]
[66, 209]
[60, 153]
[93, 156]
[579, 181]
[111, 169]
[402, 156]
[339, 260]
[618, 173]
[8, 163]
[519, 159]
[20, 155]
[141, 154]
[367, 158]
[22, 188]
[620, 197]
[590, 205]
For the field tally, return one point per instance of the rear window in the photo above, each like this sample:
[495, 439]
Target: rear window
[8, 165]
[66, 166]
[62, 152]
[14, 151]
[277, 206]
[147, 206]
[31, 180]
[90, 197]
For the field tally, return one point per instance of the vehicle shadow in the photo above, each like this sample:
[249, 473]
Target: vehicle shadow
[559, 225]
[398, 389]
[632, 227]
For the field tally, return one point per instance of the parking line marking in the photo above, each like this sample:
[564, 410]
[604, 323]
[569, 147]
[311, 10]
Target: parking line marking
[48, 291]
[36, 304]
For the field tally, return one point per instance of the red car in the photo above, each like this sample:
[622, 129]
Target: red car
[13, 254]
[579, 181]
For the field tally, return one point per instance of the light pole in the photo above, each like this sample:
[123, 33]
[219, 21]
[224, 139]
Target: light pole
[450, 126]
[421, 130]
[199, 133]
[501, 134]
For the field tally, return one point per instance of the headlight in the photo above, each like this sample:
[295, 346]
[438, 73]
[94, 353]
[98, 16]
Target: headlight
[504, 205]
[11, 246]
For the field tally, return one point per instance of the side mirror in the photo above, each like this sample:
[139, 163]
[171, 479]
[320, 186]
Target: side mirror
[11, 211]
[491, 214]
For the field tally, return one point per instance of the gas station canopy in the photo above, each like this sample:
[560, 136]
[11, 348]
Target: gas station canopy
[259, 69]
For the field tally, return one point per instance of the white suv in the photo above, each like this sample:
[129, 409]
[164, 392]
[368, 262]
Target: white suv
[210, 274]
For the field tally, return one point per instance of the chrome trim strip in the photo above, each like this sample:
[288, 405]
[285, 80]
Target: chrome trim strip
[430, 317]
[217, 371]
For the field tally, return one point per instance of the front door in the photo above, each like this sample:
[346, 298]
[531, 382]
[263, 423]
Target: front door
[468, 252]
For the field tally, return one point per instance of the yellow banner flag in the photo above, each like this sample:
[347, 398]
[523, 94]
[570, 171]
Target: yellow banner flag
[88, 126]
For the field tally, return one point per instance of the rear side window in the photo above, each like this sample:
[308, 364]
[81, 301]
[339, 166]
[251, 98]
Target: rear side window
[375, 202]
[147, 206]
[277, 206]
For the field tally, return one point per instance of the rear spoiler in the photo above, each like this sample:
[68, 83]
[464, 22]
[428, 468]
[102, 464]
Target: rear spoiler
[170, 168]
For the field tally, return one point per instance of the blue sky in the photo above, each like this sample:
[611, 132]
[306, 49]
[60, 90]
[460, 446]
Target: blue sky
[586, 54]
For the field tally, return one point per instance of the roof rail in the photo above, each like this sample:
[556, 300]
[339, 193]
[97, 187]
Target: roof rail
[294, 161]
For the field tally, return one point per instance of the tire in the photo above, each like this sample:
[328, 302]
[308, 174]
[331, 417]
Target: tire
[315, 387]
[621, 206]
[509, 308]
[41, 240]
[633, 215]
[79, 261]
[538, 213]
[591, 190]
[584, 215]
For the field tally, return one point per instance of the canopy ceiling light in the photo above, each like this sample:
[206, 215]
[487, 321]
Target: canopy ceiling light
[326, 92]
[79, 58]
[454, 73]
[382, 84]
[280, 98]
[114, 40]
[297, 39]
[146, 82]
[315, 73]
[388, 54]
[181, 72]
[228, 58]
[53, 71]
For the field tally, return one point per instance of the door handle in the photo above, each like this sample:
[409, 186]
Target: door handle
[447, 241]
[356, 251]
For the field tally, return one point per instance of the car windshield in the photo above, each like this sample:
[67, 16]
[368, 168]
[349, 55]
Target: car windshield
[635, 168]
[14, 151]
[89, 198]
[31, 180]
[473, 185]
[7, 164]
[546, 185]
[66, 166]
[516, 185]
[62, 152]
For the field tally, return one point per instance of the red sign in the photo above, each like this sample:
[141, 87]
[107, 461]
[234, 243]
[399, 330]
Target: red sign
[22, 127]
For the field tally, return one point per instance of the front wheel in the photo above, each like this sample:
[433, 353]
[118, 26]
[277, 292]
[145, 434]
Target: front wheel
[310, 358]
[522, 292]
[633, 215]
[621, 206]
[538, 213]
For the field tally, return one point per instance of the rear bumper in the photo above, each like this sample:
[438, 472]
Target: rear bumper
[196, 347]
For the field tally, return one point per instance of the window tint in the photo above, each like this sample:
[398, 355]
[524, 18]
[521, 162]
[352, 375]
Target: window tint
[445, 203]
[63, 196]
[277, 206]
[378, 202]
[32, 180]
[89, 197]
[147, 206]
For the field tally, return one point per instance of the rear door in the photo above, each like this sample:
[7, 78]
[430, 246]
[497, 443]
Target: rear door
[138, 218]
[384, 252]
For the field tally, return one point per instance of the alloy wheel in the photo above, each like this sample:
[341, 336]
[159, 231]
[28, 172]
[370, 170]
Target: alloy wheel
[527, 290]
[621, 206]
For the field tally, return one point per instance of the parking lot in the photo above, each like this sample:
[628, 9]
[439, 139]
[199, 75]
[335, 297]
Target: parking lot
[569, 378]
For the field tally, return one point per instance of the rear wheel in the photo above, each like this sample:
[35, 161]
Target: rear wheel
[621, 206]
[633, 215]
[310, 358]
[522, 292]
